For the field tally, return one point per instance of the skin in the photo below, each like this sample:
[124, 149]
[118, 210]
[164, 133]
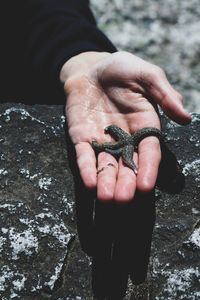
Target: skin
[121, 89]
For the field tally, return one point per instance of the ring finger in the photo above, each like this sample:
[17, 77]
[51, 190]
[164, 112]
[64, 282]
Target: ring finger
[106, 176]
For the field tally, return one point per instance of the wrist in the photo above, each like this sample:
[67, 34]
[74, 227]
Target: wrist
[80, 64]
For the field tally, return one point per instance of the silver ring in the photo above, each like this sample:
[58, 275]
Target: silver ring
[103, 168]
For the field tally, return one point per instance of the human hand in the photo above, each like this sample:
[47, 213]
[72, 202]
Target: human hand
[121, 89]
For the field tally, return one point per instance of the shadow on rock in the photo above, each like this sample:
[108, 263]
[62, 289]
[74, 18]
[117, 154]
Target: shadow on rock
[116, 237]
[122, 245]
[170, 176]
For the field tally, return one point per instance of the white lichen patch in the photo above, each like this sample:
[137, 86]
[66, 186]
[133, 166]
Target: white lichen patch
[170, 131]
[156, 265]
[69, 206]
[26, 221]
[172, 124]
[22, 242]
[44, 183]
[13, 295]
[8, 205]
[2, 157]
[178, 284]
[12, 208]
[27, 174]
[42, 197]
[195, 117]
[63, 121]
[24, 114]
[12, 280]
[192, 168]
[194, 140]
[53, 226]
[76, 298]
[54, 277]
[3, 172]
[2, 242]
[38, 286]
[43, 215]
[5, 275]
[4, 230]
[195, 238]
[45, 229]
[18, 284]
[60, 232]
[195, 211]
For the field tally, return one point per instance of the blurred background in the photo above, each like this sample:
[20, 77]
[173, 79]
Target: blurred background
[164, 32]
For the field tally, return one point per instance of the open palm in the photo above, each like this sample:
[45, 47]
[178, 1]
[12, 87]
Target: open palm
[124, 90]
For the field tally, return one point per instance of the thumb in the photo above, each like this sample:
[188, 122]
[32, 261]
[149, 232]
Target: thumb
[157, 86]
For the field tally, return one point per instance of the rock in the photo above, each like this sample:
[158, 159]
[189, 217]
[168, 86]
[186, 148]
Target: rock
[41, 257]
[40, 252]
[174, 271]
[38, 239]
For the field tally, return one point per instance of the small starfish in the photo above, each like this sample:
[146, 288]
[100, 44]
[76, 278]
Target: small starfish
[126, 144]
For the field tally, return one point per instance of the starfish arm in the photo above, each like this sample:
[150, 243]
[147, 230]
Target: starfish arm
[114, 152]
[127, 157]
[145, 132]
[117, 132]
[107, 145]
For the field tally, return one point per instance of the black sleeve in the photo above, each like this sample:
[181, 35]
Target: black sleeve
[56, 30]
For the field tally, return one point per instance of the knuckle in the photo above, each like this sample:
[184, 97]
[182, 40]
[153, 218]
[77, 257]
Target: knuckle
[158, 72]
[179, 96]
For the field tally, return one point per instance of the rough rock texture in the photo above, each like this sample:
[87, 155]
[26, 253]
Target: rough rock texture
[38, 240]
[164, 32]
[174, 271]
[39, 248]
[40, 252]
[176, 243]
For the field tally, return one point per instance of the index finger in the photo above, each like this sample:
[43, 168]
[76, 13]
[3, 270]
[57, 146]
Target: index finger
[86, 161]
[149, 156]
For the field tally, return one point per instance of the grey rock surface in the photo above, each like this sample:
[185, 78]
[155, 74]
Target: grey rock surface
[40, 252]
[174, 271]
[39, 248]
[164, 32]
[38, 240]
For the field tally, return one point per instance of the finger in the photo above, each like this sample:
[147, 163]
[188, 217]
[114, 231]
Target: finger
[158, 87]
[86, 161]
[126, 183]
[106, 176]
[149, 156]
